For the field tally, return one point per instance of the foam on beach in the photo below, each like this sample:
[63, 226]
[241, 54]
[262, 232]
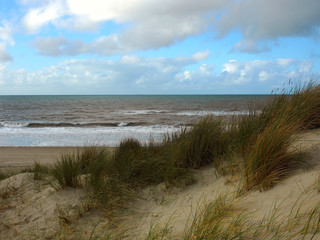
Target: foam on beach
[74, 136]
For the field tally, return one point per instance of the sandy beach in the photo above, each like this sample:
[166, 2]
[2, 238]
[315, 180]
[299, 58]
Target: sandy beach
[16, 158]
[13, 158]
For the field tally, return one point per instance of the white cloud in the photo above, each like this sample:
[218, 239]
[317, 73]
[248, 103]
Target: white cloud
[250, 46]
[126, 75]
[230, 67]
[50, 46]
[37, 17]
[261, 20]
[285, 62]
[97, 10]
[130, 59]
[157, 32]
[263, 76]
[205, 69]
[141, 10]
[6, 33]
[77, 23]
[152, 24]
[201, 55]
[185, 76]
[105, 46]
[239, 72]
[59, 46]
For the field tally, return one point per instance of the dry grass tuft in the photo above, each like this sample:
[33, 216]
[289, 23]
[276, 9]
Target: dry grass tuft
[271, 157]
[67, 171]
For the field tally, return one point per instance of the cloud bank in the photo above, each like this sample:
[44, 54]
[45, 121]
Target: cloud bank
[132, 74]
[261, 20]
[153, 24]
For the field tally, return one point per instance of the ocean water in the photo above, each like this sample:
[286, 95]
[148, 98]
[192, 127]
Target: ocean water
[106, 120]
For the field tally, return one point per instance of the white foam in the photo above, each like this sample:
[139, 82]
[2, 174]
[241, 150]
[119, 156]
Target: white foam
[143, 112]
[73, 136]
[205, 113]
[13, 124]
[183, 113]
[122, 124]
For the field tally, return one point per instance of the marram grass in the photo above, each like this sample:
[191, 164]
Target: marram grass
[271, 157]
[264, 137]
[67, 171]
[217, 220]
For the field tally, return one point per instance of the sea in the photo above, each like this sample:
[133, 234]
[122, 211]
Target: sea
[106, 120]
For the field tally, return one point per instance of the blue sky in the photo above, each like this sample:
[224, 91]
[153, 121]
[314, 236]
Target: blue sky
[157, 47]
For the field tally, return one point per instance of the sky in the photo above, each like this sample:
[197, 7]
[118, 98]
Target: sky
[157, 46]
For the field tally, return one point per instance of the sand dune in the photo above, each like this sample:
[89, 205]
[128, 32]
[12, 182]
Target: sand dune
[32, 209]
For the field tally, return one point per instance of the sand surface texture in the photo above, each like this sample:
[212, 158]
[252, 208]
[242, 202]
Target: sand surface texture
[20, 157]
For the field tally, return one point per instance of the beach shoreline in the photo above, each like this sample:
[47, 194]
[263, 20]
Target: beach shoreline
[15, 158]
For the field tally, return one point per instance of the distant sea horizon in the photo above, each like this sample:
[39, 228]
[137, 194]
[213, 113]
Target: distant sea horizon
[77, 120]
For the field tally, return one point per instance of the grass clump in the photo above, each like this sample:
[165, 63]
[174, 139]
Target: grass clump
[263, 138]
[158, 231]
[67, 171]
[39, 171]
[299, 105]
[202, 144]
[89, 155]
[271, 158]
[224, 219]
[149, 164]
[312, 224]
[218, 221]
[243, 130]
[4, 175]
[107, 187]
[126, 157]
